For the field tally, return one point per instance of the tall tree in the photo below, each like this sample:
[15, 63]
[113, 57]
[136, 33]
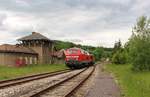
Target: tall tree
[139, 44]
[117, 46]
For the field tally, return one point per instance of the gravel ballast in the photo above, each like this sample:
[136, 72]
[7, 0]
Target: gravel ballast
[22, 89]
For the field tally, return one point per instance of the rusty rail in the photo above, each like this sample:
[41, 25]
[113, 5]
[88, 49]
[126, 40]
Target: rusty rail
[69, 93]
[53, 86]
[20, 80]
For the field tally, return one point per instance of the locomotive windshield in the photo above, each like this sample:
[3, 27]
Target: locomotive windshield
[72, 51]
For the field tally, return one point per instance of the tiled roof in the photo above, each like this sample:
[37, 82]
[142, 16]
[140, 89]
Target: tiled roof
[15, 49]
[34, 36]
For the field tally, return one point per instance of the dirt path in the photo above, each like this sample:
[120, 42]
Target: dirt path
[105, 85]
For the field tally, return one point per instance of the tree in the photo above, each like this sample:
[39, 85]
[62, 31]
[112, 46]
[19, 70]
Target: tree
[117, 46]
[139, 45]
[98, 53]
[119, 54]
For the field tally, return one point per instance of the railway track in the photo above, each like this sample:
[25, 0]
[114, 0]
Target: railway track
[20, 80]
[15, 89]
[64, 88]
[56, 84]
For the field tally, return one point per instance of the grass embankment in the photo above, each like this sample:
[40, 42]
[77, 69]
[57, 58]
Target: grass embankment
[12, 72]
[133, 84]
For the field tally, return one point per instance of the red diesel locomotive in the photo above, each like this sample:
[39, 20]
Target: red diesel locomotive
[78, 58]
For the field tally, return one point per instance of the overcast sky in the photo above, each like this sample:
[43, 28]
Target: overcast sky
[89, 22]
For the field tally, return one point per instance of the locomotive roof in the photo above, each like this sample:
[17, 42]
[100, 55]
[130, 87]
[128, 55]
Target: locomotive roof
[80, 49]
[75, 48]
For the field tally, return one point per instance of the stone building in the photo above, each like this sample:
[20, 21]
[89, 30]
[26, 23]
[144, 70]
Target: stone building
[9, 54]
[32, 49]
[40, 44]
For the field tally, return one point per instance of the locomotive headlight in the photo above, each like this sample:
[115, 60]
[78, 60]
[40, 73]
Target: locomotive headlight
[76, 57]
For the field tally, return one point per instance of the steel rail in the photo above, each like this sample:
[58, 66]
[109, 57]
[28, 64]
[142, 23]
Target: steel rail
[12, 82]
[37, 94]
[70, 92]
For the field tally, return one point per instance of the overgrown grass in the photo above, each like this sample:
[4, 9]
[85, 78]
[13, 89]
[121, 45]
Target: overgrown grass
[12, 72]
[133, 84]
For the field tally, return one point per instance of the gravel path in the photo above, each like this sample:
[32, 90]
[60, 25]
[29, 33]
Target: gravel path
[105, 85]
[18, 90]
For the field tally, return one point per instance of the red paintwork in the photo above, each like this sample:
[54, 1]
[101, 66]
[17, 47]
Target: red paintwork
[79, 55]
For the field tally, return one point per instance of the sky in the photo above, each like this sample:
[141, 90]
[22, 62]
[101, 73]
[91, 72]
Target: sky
[87, 22]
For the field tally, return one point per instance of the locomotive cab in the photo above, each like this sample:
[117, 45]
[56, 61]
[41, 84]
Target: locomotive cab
[77, 58]
[72, 57]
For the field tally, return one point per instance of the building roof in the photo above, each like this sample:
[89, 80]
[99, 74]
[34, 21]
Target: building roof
[34, 36]
[15, 49]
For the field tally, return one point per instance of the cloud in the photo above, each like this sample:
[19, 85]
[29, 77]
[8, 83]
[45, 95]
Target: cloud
[93, 22]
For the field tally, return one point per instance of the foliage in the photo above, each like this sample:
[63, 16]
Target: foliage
[117, 46]
[107, 54]
[98, 53]
[120, 57]
[137, 50]
[119, 54]
[63, 45]
[133, 84]
[139, 45]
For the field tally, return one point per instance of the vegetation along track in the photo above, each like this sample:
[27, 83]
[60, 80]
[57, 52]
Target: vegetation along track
[64, 88]
[20, 80]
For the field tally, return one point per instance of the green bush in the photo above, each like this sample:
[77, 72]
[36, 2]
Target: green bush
[119, 57]
[98, 53]
[140, 54]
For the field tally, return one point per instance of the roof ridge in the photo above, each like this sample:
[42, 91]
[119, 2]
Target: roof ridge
[34, 36]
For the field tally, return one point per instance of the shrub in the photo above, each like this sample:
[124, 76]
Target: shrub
[140, 55]
[98, 53]
[119, 57]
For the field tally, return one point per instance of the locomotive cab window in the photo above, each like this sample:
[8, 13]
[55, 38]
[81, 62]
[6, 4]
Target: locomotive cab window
[85, 52]
[72, 51]
[82, 51]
